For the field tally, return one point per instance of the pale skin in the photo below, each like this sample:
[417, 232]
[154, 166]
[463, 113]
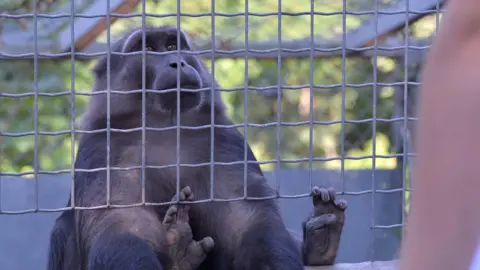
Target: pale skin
[443, 228]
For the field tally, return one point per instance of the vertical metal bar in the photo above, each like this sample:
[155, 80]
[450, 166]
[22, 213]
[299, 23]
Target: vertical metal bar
[405, 112]
[72, 100]
[178, 104]
[109, 51]
[144, 102]
[1, 188]
[437, 15]
[1, 193]
[310, 116]
[374, 126]
[245, 107]
[278, 158]
[343, 90]
[212, 109]
[35, 108]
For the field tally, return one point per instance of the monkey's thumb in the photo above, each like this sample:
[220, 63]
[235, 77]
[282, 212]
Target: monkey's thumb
[207, 244]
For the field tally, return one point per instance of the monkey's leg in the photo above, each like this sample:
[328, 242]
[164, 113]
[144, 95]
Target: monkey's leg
[185, 253]
[125, 239]
[253, 233]
[322, 230]
[266, 243]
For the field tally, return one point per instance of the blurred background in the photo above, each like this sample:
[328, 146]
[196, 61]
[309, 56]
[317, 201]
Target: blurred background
[340, 76]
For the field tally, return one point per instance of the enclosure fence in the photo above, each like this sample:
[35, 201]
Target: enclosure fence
[290, 96]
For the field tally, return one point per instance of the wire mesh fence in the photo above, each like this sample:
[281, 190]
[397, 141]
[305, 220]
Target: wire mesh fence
[311, 84]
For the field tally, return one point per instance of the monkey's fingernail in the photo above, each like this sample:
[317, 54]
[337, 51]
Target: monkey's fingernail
[208, 243]
[343, 206]
[187, 190]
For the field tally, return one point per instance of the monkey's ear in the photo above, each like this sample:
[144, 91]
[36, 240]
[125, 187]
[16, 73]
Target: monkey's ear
[121, 45]
[100, 66]
[130, 41]
[186, 37]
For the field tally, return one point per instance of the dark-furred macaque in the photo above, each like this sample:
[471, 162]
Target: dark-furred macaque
[225, 234]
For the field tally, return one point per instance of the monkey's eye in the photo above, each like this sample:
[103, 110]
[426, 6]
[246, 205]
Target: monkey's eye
[171, 47]
[149, 47]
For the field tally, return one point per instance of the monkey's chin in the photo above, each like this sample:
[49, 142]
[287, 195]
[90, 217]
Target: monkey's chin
[188, 101]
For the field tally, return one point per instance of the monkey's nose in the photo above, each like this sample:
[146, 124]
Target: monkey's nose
[174, 64]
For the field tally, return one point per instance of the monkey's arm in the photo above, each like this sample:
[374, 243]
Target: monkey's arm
[63, 247]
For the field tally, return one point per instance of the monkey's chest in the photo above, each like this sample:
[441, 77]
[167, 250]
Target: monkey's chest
[170, 165]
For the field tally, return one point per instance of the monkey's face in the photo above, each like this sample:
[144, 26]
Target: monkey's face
[178, 76]
[172, 78]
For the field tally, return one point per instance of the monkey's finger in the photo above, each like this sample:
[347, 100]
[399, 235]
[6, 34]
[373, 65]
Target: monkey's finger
[182, 215]
[332, 194]
[207, 244]
[186, 193]
[170, 215]
[194, 256]
[190, 196]
[341, 204]
[315, 190]
[320, 195]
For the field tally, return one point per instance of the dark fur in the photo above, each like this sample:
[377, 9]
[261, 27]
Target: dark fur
[247, 234]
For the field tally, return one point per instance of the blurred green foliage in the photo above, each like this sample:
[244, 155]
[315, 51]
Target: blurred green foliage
[55, 112]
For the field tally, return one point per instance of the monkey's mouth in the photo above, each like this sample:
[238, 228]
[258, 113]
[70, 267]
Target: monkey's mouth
[189, 100]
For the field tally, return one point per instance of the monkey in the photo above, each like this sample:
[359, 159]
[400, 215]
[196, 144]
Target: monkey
[245, 234]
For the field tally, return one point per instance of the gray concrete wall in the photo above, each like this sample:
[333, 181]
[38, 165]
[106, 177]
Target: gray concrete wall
[24, 238]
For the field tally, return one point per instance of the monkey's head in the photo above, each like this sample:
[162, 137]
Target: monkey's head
[161, 72]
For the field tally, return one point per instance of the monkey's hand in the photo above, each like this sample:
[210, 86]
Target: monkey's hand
[185, 253]
[323, 229]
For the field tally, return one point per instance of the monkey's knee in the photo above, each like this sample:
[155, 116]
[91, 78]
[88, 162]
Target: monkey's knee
[267, 245]
[127, 238]
[140, 222]
[122, 251]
